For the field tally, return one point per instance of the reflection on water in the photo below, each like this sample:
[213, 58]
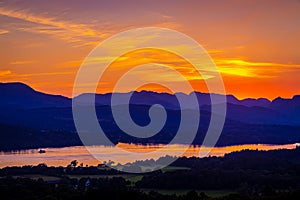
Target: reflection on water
[63, 156]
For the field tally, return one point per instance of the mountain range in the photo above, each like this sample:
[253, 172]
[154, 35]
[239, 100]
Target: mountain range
[45, 118]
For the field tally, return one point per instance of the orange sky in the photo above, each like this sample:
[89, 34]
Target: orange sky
[255, 44]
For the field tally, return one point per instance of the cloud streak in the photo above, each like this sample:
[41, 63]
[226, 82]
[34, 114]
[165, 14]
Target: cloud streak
[5, 73]
[238, 67]
[71, 32]
[22, 62]
[3, 31]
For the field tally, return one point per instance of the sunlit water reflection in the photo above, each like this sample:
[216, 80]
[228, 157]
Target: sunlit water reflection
[63, 156]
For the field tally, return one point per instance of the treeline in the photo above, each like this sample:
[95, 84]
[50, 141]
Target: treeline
[245, 170]
[114, 188]
[43, 169]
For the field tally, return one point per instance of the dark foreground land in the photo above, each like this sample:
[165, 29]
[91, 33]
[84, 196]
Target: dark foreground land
[240, 175]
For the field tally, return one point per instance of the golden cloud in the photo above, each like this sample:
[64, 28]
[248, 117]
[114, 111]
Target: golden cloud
[5, 72]
[3, 31]
[21, 62]
[71, 32]
[245, 68]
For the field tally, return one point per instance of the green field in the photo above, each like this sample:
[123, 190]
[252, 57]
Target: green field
[210, 193]
[37, 176]
[173, 168]
[54, 178]
[134, 179]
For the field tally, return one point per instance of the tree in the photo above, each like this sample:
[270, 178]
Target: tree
[74, 163]
[192, 195]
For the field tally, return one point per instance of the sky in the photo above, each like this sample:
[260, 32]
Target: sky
[255, 44]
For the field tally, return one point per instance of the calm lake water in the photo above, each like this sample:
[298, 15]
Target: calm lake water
[63, 156]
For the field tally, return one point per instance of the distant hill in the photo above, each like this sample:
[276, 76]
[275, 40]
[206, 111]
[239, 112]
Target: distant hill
[248, 120]
[19, 95]
[259, 111]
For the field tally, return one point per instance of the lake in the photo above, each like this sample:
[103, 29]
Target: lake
[63, 156]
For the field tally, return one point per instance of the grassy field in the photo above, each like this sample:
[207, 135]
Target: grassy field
[54, 178]
[37, 176]
[134, 179]
[173, 168]
[125, 176]
[210, 193]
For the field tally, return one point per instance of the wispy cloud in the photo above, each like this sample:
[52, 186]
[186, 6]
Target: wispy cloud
[251, 63]
[215, 51]
[24, 62]
[239, 67]
[3, 31]
[170, 25]
[44, 74]
[71, 63]
[66, 30]
[5, 73]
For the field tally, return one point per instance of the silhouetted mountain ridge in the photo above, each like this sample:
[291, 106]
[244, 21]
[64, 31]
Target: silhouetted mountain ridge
[247, 121]
[19, 95]
[17, 92]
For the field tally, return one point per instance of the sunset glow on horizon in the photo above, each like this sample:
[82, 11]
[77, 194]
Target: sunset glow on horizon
[255, 44]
